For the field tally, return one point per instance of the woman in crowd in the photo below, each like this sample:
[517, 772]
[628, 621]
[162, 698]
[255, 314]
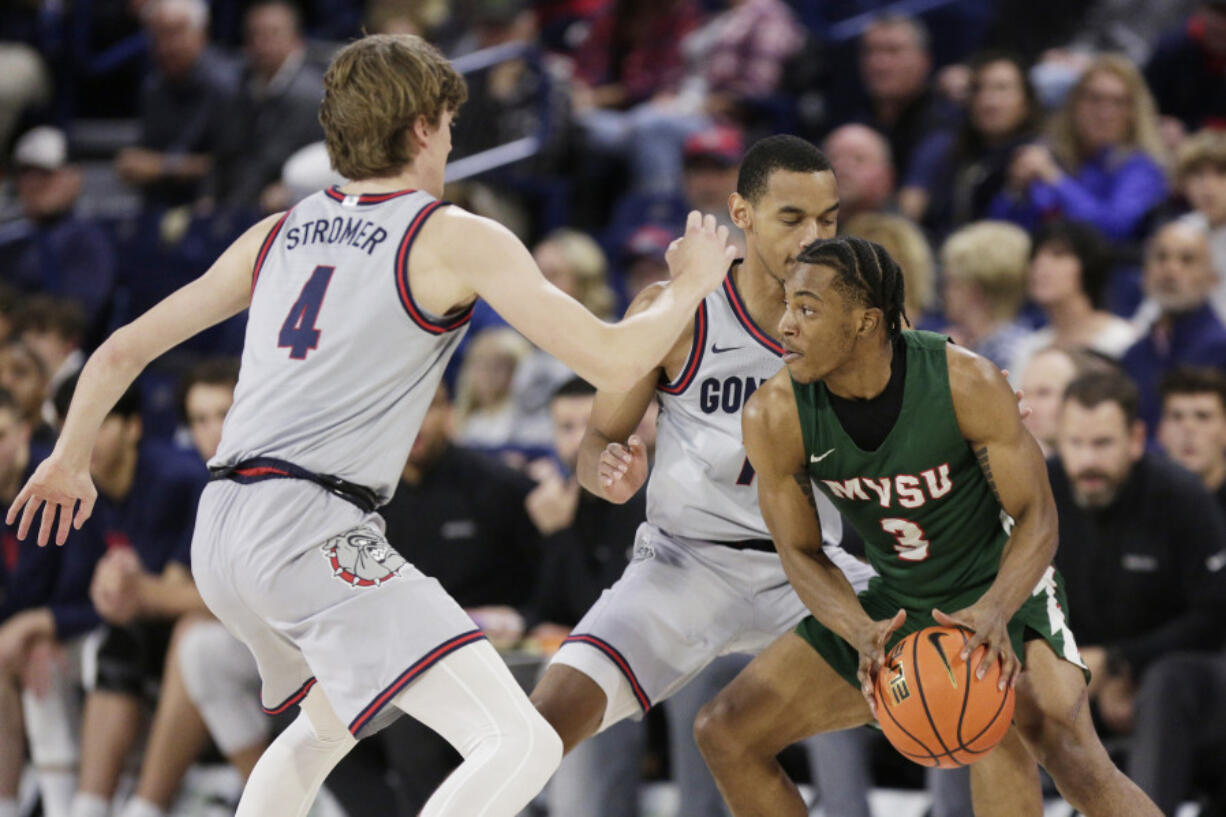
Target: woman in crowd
[1102, 162]
[956, 174]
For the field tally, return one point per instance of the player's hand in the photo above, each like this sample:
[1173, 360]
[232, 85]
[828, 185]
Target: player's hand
[871, 645]
[115, 588]
[1022, 408]
[622, 469]
[54, 487]
[552, 504]
[991, 628]
[702, 255]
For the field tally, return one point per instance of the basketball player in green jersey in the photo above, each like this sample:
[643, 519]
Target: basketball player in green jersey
[919, 444]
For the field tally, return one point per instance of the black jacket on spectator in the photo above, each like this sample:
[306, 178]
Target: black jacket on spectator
[466, 526]
[259, 130]
[1147, 574]
[1188, 82]
[181, 118]
[584, 559]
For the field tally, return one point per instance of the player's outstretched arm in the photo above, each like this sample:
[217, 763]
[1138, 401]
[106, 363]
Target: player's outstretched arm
[62, 480]
[1011, 461]
[770, 425]
[612, 460]
[492, 262]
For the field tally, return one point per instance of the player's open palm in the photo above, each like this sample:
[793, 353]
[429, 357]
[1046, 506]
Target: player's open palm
[54, 487]
[623, 469]
[703, 253]
[991, 629]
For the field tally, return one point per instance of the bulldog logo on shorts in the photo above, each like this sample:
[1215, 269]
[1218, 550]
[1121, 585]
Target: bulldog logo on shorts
[361, 558]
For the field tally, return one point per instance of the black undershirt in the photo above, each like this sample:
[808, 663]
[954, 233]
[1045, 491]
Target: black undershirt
[869, 422]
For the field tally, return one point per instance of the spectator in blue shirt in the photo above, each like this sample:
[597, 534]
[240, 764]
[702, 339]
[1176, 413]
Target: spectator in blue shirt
[147, 495]
[44, 602]
[1178, 277]
[52, 251]
[1102, 163]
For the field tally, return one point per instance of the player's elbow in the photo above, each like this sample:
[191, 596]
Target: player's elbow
[120, 352]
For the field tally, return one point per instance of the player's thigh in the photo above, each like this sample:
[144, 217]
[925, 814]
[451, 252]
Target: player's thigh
[787, 693]
[1052, 710]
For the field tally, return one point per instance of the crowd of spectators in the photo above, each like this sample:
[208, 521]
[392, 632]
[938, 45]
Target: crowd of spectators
[1050, 175]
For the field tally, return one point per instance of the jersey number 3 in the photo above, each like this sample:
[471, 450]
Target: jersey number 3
[298, 333]
[911, 544]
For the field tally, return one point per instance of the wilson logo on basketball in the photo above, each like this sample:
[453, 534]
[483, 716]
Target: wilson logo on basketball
[362, 559]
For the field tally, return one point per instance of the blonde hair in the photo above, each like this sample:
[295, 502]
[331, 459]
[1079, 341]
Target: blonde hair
[906, 244]
[587, 261]
[374, 91]
[1204, 148]
[489, 343]
[1143, 132]
[994, 256]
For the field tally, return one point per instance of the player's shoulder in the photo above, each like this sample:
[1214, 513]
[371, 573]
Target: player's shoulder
[646, 297]
[969, 371]
[772, 401]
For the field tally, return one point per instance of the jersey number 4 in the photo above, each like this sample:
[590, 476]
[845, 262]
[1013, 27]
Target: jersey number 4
[298, 333]
[911, 544]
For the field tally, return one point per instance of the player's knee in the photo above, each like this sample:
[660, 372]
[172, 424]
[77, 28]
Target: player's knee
[544, 746]
[713, 730]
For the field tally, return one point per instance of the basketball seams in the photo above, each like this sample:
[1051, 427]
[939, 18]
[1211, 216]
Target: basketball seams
[901, 728]
[919, 685]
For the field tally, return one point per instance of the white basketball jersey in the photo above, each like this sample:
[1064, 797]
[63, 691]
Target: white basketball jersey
[701, 485]
[339, 363]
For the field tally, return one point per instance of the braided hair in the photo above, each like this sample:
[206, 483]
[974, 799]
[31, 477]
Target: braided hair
[866, 274]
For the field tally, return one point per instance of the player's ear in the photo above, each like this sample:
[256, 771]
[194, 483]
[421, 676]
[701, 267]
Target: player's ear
[741, 211]
[870, 319]
[420, 133]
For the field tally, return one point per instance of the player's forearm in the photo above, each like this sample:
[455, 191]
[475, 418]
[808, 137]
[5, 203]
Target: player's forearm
[1026, 557]
[628, 350]
[825, 591]
[106, 376]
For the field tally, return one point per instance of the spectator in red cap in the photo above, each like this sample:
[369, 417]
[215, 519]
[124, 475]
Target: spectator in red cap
[710, 160]
[643, 258]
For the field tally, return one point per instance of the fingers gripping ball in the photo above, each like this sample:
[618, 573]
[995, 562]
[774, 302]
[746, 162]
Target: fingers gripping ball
[932, 708]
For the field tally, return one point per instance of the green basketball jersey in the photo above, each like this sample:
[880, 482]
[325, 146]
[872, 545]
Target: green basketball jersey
[931, 524]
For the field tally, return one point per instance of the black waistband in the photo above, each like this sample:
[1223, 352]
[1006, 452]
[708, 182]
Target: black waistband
[259, 469]
[750, 544]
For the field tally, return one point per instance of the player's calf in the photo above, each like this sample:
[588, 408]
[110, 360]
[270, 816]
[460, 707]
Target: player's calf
[1053, 718]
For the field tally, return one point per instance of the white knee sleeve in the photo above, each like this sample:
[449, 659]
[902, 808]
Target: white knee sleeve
[293, 767]
[509, 750]
[223, 681]
[53, 721]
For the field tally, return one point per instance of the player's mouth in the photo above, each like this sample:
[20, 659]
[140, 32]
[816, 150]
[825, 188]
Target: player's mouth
[790, 354]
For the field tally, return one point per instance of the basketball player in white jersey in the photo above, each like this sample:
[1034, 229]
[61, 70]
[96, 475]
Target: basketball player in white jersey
[357, 298]
[704, 579]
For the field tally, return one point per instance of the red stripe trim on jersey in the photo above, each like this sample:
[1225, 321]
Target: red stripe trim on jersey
[265, 247]
[261, 472]
[742, 315]
[619, 660]
[402, 280]
[291, 700]
[335, 194]
[697, 349]
[383, 698]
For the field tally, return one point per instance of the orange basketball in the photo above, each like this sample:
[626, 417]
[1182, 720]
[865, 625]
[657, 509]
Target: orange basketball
[930, 705]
